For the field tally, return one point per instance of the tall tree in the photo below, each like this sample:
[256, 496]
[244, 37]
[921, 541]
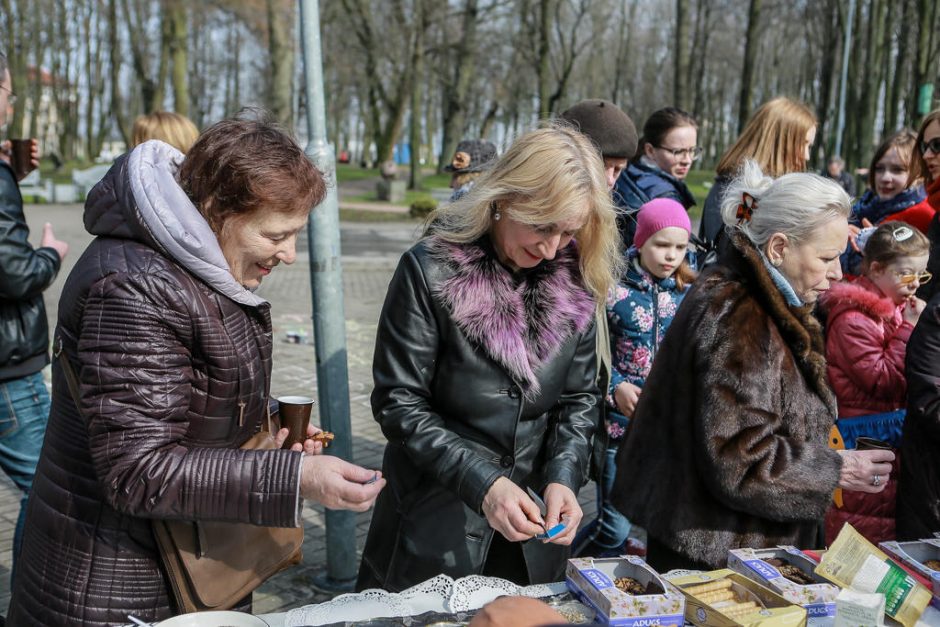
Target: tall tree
[459, 63]
[417, 92]
[175, 29]
[546, 10]
[750, 53]
[680, 84]
[924, 70]
[281, 51]
[138, 16]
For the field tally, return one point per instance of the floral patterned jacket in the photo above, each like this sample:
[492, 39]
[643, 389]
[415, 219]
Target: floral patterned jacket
[639, 310]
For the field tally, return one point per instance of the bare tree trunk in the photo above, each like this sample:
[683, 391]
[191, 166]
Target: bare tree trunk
[923, 72]
[750, 53]
[457, 86]
[703, 31]
[895, 98]
[873, 78]
[117, 102]
[680, 88]
[417, 92]
[175, 14]
[17, 59]
[544, 60]
[39, 39]
[281, 51]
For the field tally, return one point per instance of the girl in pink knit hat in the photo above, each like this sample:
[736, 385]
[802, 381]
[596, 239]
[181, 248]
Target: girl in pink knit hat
[639, 310]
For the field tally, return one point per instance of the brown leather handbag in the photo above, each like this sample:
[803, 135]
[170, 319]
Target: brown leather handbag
[215, 565]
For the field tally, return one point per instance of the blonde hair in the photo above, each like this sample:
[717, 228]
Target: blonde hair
[919, 169]
[173, 128]
[548, 175]
[795, 204]
[775, 137]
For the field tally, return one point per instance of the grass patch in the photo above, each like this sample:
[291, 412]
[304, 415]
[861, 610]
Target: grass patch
[699, 182]
[360, 215]
[346, 172]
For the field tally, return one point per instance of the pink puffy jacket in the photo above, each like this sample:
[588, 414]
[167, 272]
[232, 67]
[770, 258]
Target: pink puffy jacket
[866, 340]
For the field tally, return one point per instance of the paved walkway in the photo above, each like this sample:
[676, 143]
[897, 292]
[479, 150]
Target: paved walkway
[374, 250]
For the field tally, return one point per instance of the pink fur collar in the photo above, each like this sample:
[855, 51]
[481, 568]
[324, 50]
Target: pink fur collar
[521, 321]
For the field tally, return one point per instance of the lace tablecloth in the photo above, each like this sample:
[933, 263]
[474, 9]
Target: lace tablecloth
[439, 594]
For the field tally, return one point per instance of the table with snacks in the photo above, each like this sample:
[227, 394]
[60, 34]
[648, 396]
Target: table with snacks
[853, 583]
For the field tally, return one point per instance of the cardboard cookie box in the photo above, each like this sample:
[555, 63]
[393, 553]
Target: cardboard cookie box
[724, 598]
[920, 556]
[600, 584]
[789, 572]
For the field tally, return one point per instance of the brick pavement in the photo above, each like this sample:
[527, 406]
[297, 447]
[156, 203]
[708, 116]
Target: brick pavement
[365, 281]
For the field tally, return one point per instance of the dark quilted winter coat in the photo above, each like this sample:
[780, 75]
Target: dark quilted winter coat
[174, 359]
[479, 374]
[727, 448]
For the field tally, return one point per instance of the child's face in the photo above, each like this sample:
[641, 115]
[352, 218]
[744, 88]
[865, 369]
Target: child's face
[661, 254]
[899, 279]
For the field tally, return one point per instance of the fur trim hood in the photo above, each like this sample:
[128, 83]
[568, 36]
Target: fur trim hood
[521, 319]
[862, 295]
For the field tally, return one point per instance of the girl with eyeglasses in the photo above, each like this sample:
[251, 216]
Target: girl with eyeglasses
[869, 323]
[925, 165]
[891, 192]
[667, 150]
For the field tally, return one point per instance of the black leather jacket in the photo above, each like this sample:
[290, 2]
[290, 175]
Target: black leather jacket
[24, 273]
[460, 406]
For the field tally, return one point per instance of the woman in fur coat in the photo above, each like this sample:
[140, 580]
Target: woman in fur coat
[485, 371]
[727, 447]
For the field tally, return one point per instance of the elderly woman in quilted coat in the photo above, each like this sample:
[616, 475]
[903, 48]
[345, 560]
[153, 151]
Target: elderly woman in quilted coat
[172, 351]
[485, 371]
[728, 445]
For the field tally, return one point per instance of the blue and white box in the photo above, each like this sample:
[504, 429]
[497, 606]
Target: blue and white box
[592, 581]
[818, 598]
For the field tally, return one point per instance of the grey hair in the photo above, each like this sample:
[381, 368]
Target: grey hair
[794, 204]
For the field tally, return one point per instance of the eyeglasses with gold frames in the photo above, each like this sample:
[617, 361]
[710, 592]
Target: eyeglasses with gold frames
[910, 277]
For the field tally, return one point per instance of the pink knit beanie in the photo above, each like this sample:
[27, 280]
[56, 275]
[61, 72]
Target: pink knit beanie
[658, 214]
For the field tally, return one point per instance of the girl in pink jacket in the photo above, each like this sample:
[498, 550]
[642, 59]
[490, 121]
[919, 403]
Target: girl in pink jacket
[868, 325]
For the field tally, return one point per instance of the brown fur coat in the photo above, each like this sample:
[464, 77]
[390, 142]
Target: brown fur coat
[728, 444]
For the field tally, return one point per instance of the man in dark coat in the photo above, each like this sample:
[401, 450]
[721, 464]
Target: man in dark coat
[25, 272]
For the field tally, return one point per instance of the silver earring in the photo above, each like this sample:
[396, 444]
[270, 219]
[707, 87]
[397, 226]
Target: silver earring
[497, 215]
[776, 263]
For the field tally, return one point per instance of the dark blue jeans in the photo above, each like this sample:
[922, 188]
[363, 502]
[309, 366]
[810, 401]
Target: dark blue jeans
[606, 533]
[24, 412]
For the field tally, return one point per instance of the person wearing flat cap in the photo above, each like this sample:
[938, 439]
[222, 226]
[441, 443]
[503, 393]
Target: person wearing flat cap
[472, 157]
[611, 130]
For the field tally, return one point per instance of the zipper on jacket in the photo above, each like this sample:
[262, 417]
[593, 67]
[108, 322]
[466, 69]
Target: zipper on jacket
[655, 321]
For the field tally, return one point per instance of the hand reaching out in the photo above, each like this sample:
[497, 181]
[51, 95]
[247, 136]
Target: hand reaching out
[49, 240]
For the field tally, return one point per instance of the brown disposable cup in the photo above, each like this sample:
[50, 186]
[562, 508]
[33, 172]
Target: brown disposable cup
[295, 415]
[864, 443]
[21, 151]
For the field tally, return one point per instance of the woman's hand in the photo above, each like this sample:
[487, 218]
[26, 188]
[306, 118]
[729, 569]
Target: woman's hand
[913, 307]
[337, 484]
[310, 447]
[865, 471]
[562, 505]
[511, 512]
[854, 231]
[627, 395]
